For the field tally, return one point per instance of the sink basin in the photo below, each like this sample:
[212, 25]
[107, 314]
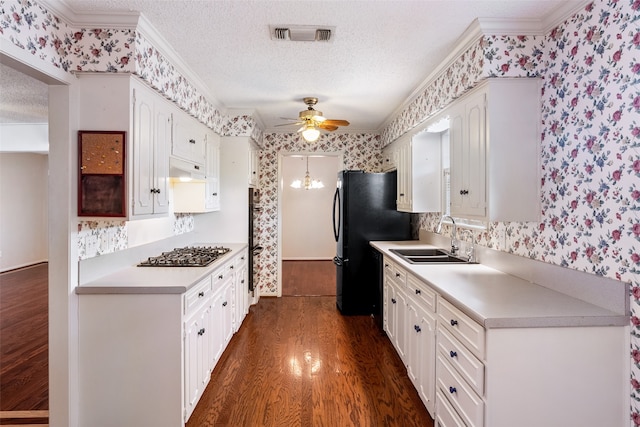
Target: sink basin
[428, 256]
[425, 252]
[434, 259]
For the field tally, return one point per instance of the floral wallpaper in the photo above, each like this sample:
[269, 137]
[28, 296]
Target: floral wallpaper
[360, 151]
[590, 157]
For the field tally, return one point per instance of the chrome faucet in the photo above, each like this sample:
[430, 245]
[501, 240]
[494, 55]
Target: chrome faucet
[454, 232]
[470, 251]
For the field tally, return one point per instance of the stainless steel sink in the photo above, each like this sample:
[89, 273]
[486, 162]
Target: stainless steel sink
[424, 252]
[429, 256]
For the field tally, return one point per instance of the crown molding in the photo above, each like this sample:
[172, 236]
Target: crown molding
[112, 20]
[159, 42]
[464, 42]
[491, 26]
[136, 21]
[562, 13]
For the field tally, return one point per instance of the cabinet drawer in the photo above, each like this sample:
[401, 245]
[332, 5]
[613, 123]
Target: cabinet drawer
[467, 331]
[471, 369]
[395, 273]
[197, 295]
[421, 292]
[464, 400]
[446, 416]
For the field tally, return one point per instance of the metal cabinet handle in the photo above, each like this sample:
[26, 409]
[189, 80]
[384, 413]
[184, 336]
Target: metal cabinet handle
[393, 300]
[454, 322]
[200, 294]
[192, 141]
[453, 354]
[418, 291]
[417, 328]
[452, 390]
[201, 332]
[220, 276]
[224, 304]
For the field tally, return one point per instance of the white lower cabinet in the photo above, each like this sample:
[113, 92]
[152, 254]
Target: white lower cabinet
[410, 323]
[502, 377]
[198, 334]
[152, 354]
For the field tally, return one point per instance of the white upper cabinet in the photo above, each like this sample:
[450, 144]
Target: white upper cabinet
[126, 103]
[495, 143]
[254, 167]
[212, 169]
[151, 141]
[417, 158]
[189, 139]
[202, 195]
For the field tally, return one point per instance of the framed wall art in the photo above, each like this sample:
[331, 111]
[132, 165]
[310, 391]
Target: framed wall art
[101, 173]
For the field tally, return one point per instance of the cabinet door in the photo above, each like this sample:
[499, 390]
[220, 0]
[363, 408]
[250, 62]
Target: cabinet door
[476, 155]
[425, 356]
[217, 316]
[162, 136]
[212, 168]
[401, 320]
[467, 133]
[228, 307]
[404, 176]
[254, 167]
[143, 130]
[390, 310]
[196, 363]
[188, 139]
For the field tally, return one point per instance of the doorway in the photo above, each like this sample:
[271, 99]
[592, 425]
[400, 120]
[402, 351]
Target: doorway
[24, 270]
[306, 232]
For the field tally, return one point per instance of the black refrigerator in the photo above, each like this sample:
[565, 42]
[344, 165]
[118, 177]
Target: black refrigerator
[364, 209]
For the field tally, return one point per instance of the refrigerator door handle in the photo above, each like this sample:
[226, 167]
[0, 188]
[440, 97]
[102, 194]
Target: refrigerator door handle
[336, 200]
[339, 261]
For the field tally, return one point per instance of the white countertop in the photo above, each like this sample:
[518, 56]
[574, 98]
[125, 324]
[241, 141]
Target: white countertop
[156, 280]
[499, 300]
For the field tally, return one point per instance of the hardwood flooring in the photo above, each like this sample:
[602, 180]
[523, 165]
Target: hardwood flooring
[24, 344]
[294, 362]
[308, 278]
[297, 362]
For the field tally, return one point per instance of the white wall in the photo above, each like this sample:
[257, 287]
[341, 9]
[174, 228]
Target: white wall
[23, 209]
[307, 228]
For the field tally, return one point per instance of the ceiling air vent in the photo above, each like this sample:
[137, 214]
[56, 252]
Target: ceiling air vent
[281, 33]
[302, 33]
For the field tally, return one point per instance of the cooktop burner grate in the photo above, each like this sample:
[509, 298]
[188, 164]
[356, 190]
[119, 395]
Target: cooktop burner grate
[190, 256]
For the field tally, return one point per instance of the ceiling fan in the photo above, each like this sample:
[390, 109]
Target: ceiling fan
[312, 121]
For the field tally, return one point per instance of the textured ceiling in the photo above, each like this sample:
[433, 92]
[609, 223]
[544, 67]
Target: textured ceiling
[23, 99]
[380, 53]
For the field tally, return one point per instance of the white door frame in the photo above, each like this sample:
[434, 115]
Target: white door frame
[281, 156]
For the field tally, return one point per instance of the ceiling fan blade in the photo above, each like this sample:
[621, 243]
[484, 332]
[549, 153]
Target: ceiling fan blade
[328, 127]
[302, 128]
[289, 118]
[288, 124]
[332, 122]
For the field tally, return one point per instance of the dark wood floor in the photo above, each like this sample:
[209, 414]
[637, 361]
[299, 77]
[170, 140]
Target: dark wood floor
[294, 362]
[24, 344]
[308, 278]
[297, 362]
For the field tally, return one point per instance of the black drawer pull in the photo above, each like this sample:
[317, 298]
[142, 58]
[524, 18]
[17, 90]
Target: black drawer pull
[453, 354]
[454, 322]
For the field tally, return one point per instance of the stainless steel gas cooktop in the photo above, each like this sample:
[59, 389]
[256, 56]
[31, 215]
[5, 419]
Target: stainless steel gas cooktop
[190, 256]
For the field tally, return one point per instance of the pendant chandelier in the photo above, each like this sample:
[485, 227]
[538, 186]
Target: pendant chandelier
[307, 183]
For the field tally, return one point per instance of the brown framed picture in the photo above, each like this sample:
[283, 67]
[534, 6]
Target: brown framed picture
[101, 173]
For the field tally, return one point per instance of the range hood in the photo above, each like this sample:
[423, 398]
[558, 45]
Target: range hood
[185, 170]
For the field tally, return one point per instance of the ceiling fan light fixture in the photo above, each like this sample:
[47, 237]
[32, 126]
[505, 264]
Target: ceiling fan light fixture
[310, 134]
